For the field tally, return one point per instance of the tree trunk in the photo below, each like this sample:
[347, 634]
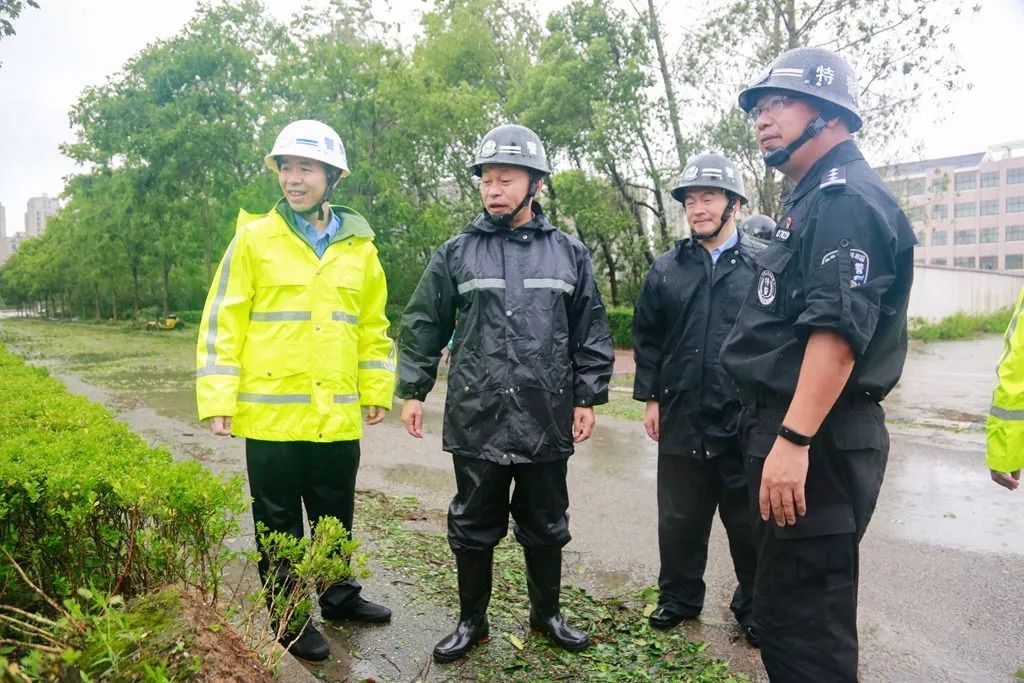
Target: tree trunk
[613, 281]
[670, 95]
[656, 179]
[135, 290]
[166, 280]
[634, 208]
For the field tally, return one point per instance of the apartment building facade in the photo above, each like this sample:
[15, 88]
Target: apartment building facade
[967, 210]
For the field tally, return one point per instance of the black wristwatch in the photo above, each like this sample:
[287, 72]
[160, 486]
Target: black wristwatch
[794, 437]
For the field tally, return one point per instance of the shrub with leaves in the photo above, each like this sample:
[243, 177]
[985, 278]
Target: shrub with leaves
[621, 321]
[85, 502]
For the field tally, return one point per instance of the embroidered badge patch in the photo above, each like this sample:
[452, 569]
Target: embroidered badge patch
[861, 262]
[861, 265]
[766, 287]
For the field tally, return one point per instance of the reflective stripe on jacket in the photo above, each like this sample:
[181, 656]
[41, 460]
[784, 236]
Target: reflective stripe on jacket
[291, 345]
[1005, 425]
[532, 340]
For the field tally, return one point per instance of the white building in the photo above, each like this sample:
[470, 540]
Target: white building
[38, 210]
[967, 210]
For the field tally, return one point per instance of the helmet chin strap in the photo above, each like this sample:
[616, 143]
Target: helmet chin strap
[726, 215]
[777, 157]
[503, 219]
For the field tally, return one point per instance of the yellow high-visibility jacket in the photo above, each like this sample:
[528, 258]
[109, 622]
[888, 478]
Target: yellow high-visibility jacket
[1005, 425]
[291, 345]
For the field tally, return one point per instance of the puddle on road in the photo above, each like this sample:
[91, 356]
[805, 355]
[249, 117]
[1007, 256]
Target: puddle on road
[943, 496]
[432, 479]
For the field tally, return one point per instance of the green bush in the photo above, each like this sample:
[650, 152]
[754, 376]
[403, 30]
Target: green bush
[960, 326]
[85, 502]
[621, 321]
[190, 317]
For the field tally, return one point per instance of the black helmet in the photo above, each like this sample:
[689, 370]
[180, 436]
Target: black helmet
[810, 71]
[758, 226]
[710, 170]
[513, 145]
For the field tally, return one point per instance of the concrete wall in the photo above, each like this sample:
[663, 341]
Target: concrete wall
[939, 292]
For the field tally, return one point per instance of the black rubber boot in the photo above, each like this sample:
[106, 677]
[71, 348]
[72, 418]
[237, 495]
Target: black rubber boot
[544, 582]
[474, 568]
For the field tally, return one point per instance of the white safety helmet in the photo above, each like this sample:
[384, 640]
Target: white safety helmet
[311, 140]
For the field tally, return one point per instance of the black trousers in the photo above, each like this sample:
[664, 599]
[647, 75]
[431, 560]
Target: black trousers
[689, 491]
[284, 476]
[805, 592]
[478, 514]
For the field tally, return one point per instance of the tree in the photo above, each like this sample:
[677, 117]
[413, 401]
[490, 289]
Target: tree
[590, 207]
[900, 50]
[11, 10]
[588, 103]
[175, 133]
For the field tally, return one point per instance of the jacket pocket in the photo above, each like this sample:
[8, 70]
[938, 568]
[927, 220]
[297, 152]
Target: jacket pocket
[770, 289]
[681, 373]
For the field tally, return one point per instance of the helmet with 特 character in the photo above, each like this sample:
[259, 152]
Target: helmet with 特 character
[812, 72]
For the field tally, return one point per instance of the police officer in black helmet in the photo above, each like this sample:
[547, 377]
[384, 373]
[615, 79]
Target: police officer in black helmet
[759, 227]
[686, 307]
[531, 356]
[820, 341]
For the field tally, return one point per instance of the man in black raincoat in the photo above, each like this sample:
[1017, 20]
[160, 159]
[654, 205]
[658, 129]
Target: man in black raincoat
[531, 356]
[687, 306]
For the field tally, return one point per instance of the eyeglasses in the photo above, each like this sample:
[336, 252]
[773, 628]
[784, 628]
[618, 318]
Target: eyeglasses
[769, 106]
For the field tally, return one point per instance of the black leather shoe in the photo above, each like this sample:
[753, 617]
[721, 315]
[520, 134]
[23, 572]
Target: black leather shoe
[666, 617]
[358, 609]
[309, 645]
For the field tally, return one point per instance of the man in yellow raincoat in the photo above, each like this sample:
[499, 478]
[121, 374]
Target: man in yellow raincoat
[292, 344]
[1006, 416]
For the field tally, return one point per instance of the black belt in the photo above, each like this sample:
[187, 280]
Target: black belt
[771, 401]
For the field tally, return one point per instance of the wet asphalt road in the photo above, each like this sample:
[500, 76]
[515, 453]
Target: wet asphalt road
[942, 565]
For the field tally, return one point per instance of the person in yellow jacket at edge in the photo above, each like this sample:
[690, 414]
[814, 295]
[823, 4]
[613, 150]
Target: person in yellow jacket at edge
[292, 344]
[1005, 424]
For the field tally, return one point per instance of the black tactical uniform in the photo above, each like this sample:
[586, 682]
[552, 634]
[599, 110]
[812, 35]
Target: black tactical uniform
[841, 260]
[532, 343]
[686, 308]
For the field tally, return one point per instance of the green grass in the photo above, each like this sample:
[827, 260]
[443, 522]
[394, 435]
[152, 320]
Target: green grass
[625, 647]
[960, 326]
[621, 406]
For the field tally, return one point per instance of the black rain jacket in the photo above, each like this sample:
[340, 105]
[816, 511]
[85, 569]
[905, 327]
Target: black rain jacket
[532, 340]
[685, 310]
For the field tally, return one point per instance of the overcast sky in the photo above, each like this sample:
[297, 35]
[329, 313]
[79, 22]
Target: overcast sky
[70, 44]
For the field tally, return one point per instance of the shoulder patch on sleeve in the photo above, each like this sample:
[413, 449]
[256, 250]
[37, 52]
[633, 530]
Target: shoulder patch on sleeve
[833, 178]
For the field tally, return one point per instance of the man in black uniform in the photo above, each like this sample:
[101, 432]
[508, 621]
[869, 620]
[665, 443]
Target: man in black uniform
[820, 340]
[531, 356]
[687, 306]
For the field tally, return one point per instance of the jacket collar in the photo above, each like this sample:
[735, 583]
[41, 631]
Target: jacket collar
[352, 223]
[483, 223]
[688, 246]
[840, 155]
